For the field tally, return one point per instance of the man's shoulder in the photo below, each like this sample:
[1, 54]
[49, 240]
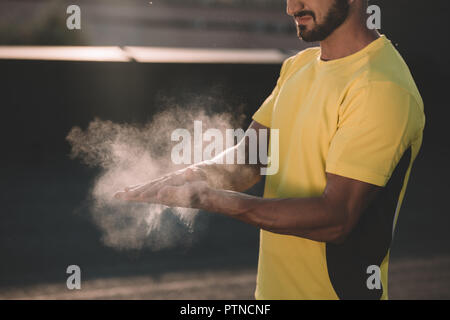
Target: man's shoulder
[387, 66]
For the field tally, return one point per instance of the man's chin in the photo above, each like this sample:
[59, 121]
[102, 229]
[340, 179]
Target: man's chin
[302, 34]
[305, 37]
[309, 35]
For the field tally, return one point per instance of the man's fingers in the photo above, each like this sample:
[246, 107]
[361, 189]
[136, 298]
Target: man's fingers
[148, 192]
[144, 187]
[120, 195]
[131, 188]
[164, 195]
[156, 191]
[155, 185]
[186, 195]
[172, 196]
[140, 194]
[176, 179]
[123, 195]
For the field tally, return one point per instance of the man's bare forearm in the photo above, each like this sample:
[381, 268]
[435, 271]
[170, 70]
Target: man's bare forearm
[310, 218]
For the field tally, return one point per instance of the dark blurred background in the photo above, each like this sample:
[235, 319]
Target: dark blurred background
[45, 224]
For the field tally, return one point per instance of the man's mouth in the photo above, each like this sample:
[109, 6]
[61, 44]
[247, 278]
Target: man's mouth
[303, 19]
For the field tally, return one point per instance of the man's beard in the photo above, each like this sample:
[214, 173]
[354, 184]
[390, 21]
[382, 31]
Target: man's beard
[334, 18]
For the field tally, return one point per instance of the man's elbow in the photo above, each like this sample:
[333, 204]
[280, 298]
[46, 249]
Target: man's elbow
[339, 222]
[339, 234]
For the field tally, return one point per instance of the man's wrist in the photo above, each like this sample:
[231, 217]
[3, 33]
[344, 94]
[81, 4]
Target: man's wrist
[227, 202]
[210, 199]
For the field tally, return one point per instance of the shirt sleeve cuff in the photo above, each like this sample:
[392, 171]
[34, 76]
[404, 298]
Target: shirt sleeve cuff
[357, 173]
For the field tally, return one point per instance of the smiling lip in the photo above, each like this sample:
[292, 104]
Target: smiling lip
[303, 19]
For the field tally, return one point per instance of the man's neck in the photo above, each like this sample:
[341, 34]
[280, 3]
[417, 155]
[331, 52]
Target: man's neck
[349, 38]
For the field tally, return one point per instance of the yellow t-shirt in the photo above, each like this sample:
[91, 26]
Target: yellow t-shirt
[360, 117]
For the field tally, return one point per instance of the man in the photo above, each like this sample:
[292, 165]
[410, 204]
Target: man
[350, 122]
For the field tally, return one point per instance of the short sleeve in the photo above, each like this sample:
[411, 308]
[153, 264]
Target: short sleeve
[377, 123]
[264, 114]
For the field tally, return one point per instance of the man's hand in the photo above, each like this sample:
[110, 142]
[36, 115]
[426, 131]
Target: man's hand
[216, 173]
[148, 192]
[188, 195]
